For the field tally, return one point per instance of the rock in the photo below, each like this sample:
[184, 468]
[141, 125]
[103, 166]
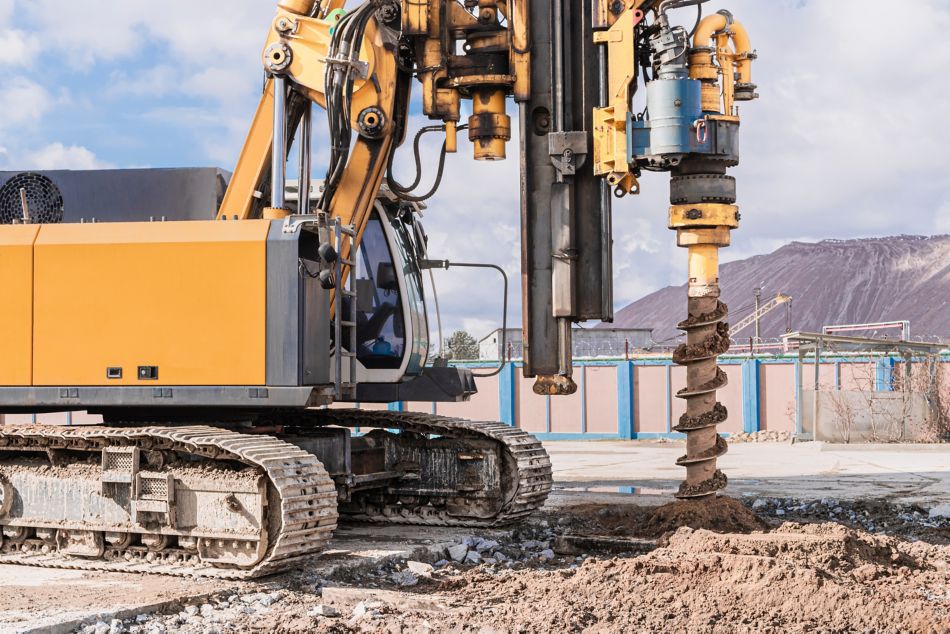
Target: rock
[501, 557]
[419, 568]
[142, 618]
[101, 628]
[780, 512]
[471, 542]
[472, 557]
[326, 611]
[759, 504]
[404, 578]
[940, 512]
[531, 544]
[458, 552]
[441, 563]
[486, 544]
[192, 610]
[360, 610]
[207, 611]
[547, 554]
[266, 600]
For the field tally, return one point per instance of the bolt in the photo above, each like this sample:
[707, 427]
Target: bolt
[694, 214]
[617, 7]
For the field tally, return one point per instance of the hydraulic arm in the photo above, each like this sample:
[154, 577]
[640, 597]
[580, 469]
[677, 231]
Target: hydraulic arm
[606, 90]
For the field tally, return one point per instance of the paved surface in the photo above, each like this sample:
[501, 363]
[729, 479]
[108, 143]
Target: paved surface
[900, 473]
[45, 601]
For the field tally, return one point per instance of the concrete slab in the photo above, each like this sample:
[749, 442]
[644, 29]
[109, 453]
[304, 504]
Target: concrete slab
[905, 474]
[46, 601]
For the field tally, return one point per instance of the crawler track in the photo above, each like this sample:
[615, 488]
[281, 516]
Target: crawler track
[526, 478]
[305, 497]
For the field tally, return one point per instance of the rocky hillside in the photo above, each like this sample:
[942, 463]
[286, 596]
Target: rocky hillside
[832, 282]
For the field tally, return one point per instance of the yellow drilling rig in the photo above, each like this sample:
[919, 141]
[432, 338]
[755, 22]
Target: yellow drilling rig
[215, 349]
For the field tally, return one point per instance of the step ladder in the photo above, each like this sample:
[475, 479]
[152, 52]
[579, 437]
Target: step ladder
[345, 325]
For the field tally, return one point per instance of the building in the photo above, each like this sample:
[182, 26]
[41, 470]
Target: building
[588, 343]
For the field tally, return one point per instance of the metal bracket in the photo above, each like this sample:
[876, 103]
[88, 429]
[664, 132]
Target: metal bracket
[294, 222]
[359, 66]
[568, 151]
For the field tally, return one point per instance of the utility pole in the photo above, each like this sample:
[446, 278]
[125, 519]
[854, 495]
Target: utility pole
[788, 317]
[757, 291]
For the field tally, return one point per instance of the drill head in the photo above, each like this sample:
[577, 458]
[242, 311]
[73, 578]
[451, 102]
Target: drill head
[707, 337]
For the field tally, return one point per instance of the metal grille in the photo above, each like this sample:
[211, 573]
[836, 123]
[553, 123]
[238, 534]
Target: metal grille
[153, 488]
[43, 198]
[117, 460]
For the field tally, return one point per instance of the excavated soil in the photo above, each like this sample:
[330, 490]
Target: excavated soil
[817, 578]
[717, 568]
[721, 515]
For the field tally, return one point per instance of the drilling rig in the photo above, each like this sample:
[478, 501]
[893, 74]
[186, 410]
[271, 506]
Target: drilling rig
[214, 347]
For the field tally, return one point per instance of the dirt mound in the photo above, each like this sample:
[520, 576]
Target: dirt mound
[797, 579]
[717, 514]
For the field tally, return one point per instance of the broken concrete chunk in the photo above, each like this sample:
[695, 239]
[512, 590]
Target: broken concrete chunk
[458, 552]
[404, 578]
[325, 611]
[941, 511]
[419, 568]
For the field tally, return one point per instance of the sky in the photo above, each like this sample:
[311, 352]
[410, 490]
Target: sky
[850, 137]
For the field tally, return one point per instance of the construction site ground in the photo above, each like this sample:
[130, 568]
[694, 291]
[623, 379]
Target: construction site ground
[815, 538]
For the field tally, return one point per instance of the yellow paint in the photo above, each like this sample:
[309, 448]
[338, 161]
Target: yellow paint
[188, 297]
[489, 140]
[253, 162]
[713, 215]
[610, 122]
[272, 213]
[712, 39]
[309, 44]
[300, 7]
[16, 304]
[703, 264]
[451, 137]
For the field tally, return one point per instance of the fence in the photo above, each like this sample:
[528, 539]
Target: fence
[636, 399]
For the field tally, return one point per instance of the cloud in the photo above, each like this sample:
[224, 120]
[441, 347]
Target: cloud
[23, 102]
[57, 156]
[846, 140]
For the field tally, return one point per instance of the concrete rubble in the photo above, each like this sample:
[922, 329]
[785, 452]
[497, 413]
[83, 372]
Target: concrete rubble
[454, 584]
[789, 555]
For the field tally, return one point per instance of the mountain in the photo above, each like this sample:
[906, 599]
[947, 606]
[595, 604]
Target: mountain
[831, 282]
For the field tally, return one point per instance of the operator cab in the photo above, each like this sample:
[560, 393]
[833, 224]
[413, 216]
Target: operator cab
[392, 327]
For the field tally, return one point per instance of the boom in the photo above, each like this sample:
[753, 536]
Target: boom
[606, 90]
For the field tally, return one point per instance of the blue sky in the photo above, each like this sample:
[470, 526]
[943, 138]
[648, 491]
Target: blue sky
[848, 140]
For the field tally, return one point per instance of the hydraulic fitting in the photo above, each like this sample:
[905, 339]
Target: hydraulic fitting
[489, 128]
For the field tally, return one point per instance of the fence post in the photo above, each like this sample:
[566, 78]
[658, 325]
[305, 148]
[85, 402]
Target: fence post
[669, 398]
[751, 397]
[885, 375]
[507, 403]
[626, 424]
